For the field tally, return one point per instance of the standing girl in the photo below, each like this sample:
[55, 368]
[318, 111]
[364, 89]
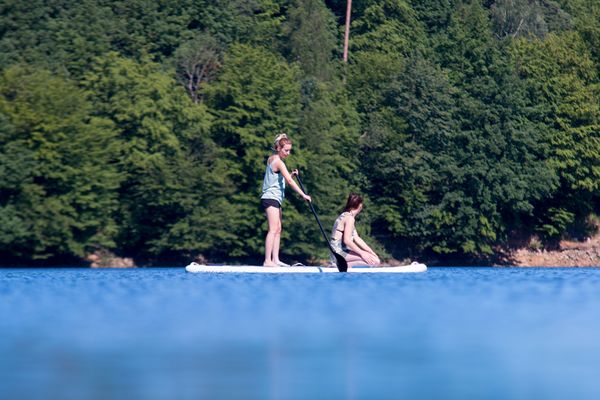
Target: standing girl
[345, 240]
[273, 190]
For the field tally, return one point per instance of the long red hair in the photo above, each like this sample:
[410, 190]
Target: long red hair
[354, 201]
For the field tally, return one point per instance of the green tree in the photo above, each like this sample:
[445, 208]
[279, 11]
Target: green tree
[454, 158]
[66, 35]
[311, 30]
[255, 22]
[16, 163]
[435, 15]
[563, 86]
[62, 36]
[174, 177]
[383, 35]
[56, 167]
[586, 20]
[388, 26]
[503, 148]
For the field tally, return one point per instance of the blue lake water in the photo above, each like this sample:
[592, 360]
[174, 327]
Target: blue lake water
[449, 333]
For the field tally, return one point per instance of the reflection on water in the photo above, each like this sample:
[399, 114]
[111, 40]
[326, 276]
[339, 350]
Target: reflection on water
[450, 333]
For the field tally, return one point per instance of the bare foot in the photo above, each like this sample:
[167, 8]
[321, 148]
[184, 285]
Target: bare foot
[266, 264]
[280, 263]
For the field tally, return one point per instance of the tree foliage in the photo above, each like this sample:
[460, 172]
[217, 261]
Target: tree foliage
[311, 33]
[56, 167]
[170, 167]
[563, 84]
[143, 127]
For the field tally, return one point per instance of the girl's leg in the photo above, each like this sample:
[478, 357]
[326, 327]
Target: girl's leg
[277, 239]
[273, 218]
[354, 259]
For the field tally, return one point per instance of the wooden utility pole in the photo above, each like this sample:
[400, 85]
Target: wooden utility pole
[347, 31]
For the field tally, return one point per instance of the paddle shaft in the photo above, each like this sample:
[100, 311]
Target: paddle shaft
[342, 264]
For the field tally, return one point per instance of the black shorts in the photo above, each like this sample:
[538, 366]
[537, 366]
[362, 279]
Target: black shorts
[266, 203]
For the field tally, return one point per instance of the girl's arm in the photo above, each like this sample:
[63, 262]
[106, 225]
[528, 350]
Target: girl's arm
[363, 245]
[347, 236]
[355, 243]
[288, 178]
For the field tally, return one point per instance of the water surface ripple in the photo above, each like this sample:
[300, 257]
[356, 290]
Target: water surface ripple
[449, 333]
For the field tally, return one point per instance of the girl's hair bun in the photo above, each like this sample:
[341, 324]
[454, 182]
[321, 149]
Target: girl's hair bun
[278, 138]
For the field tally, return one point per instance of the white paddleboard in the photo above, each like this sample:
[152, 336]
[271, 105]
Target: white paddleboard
[242, 269]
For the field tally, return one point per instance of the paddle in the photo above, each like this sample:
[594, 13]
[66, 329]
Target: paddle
[340, 260]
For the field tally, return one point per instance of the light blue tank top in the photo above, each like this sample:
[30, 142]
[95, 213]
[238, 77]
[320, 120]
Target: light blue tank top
[273, 185]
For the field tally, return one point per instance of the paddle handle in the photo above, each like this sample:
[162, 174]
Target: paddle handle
[312, 208]
[341, 262]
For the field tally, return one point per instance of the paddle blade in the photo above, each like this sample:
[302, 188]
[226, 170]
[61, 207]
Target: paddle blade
[341, 262]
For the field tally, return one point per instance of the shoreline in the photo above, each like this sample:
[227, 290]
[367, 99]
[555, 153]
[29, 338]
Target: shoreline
[569, 254]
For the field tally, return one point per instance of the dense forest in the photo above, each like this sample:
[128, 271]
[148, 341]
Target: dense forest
[142, 127]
